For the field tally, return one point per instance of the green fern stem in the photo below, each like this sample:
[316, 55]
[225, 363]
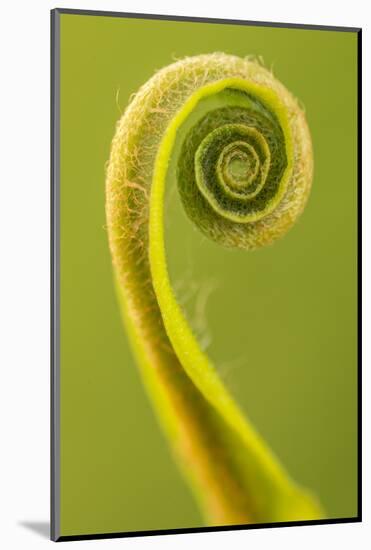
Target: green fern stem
[243, 158]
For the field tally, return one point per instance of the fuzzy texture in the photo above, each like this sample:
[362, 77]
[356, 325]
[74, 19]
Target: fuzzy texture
[244, 173]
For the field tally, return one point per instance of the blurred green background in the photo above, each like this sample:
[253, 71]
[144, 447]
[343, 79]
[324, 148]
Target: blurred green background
[279, 323]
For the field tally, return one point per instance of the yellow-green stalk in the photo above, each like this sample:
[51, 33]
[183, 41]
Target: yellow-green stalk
[244, 170]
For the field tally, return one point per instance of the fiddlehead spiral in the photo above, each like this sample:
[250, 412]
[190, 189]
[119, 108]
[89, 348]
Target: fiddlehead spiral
[243, 160]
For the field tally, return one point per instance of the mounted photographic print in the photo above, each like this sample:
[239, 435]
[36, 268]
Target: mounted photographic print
[205, 190]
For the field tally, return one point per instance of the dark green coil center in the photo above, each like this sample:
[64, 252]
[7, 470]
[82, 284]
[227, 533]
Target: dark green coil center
[231, 165]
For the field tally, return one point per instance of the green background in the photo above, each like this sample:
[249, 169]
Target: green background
[279, 323]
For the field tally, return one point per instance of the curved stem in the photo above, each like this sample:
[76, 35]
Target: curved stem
[235, 477]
